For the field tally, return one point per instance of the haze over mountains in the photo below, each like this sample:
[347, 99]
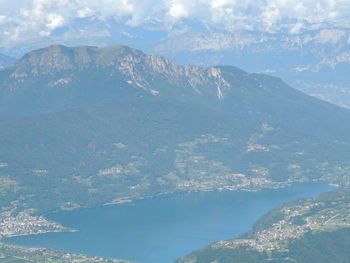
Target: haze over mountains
[315, 61]
[5, 61]
[85, 126]
[99, 124]
[306, 43]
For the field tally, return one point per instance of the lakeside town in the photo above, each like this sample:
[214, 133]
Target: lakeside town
[296, 220]
[9, 253]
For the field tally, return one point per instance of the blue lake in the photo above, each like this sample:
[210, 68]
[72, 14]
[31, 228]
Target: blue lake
[159, 230]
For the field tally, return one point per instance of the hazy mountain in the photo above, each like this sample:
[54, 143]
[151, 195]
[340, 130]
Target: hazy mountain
[309, 230]
[85, 126]
[5, 61]
[316, 62]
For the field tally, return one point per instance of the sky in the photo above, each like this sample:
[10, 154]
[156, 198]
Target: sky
[26, 22]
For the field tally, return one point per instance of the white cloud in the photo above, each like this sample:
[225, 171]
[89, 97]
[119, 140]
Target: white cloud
[84, 12]
[178, 11]
[30, 20]
[54, 21]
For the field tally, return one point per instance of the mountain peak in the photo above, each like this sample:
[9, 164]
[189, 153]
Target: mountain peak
[54, 58]
[57, 58]
[58, 70]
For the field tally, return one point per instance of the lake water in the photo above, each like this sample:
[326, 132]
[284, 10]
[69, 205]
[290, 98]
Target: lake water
[159, 230]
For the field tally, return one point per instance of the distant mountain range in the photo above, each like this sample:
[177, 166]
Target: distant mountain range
[86, 126]
[5, 61]
[316, 62]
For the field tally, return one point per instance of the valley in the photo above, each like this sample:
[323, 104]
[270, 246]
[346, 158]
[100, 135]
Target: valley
[84, 126]
[135, 231]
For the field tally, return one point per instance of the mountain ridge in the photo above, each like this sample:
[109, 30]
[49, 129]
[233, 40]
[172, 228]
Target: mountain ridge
[314, 61]
[126, 66]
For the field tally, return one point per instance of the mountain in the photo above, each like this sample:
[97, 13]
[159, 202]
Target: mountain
[314, 61]
[309, 230]
[5, 61]
[86, 126]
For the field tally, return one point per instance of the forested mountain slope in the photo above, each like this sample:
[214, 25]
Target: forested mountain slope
[85, 126]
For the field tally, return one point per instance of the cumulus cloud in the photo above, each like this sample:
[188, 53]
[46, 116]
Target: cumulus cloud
[30, 20]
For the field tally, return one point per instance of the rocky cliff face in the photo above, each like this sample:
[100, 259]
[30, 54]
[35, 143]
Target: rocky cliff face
[119, 60]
